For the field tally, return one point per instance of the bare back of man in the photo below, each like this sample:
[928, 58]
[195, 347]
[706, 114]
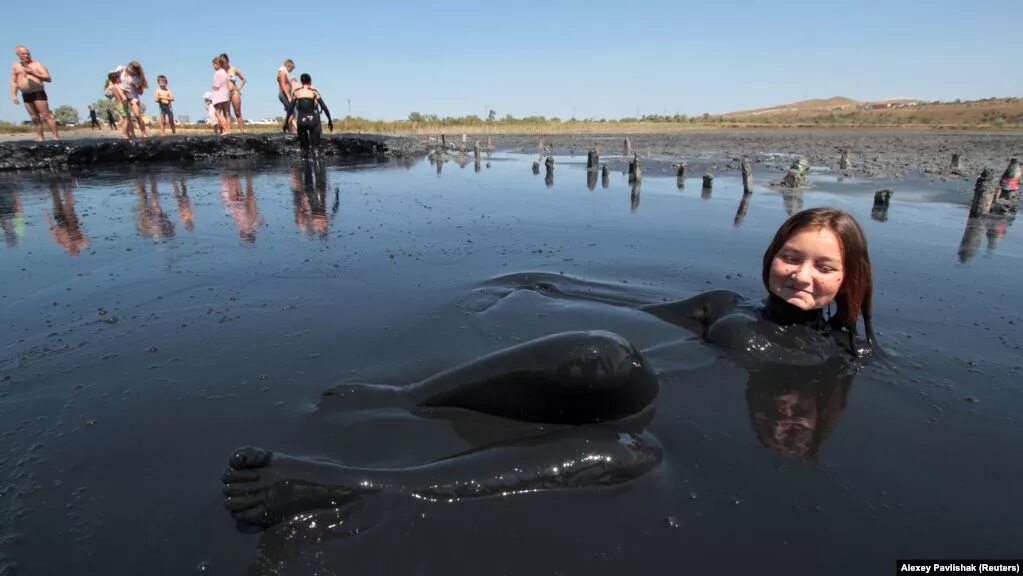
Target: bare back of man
[28, 76]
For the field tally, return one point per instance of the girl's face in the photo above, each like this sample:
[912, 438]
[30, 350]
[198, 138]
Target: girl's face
[163, 84]
[807, 271]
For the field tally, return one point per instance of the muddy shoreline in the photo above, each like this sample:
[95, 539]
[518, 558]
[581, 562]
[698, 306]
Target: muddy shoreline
[79, 152]
[880, 154]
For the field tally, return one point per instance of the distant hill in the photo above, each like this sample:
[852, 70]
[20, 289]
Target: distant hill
[841, 111]
[818, 105]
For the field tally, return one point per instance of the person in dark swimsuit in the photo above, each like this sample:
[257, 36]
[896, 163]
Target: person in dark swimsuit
[593, 391]
[305, 106]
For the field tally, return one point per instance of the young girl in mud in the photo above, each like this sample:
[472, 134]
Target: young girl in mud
[133, 84]
[594, 388]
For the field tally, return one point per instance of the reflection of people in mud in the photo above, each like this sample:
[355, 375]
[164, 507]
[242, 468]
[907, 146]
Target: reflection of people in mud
[305, 106]
[185, 212]
[153, 222]
[592, 388]
[12, 217]
[793, 409]
[309, 187]
[241, 205]
[65, 226]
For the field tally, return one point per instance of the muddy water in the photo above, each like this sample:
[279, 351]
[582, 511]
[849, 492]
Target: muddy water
[156, 318]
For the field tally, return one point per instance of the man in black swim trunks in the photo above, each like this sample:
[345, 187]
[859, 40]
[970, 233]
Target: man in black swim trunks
[28, 76]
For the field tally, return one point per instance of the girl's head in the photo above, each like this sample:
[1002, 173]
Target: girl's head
[817, 257]
[135, 69]
[289, 64]
[305, 79]
[113, 77]
[162, 81]
[225, 59]
[218, 63]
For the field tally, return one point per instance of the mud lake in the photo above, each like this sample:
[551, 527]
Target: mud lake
[156, 317]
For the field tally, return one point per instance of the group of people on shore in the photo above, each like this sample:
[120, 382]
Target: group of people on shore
[125, 86]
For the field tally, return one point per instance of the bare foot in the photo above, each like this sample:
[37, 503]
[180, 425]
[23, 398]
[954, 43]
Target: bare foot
[264, 488]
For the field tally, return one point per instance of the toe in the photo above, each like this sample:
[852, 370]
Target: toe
[250, 457]
[234, 475]
[239, 488]
[256, 516]
[244, 502]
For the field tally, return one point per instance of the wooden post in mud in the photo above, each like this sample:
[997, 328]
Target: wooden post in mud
[680, 180]
[549, 177]
[627, 149]
[747, 177]
[592, 160]
[845, 163]
[708, 181]
[635, 169]
[444, 142]
[883, 197]
[983, 194]
[476, 150]
[956, 164]
[536, 166]
[605, 176]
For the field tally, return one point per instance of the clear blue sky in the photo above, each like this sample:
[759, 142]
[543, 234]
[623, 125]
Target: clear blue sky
[595, 58]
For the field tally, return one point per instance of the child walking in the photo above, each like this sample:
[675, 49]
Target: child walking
[164, 97]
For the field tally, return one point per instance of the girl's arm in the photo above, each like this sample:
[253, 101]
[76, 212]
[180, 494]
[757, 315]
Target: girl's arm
[323, 106]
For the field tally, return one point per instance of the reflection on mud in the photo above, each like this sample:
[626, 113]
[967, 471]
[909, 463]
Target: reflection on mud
[152, 221]
[12, 216]
[879, 212]
[740, 214]
[241, 205]
[637, 189]
[185, 212]
[991, 225]
[65, 227]
[309, 189]
[793, 409]
[792, 200]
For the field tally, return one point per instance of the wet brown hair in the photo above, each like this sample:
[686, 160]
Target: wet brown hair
[855, 296]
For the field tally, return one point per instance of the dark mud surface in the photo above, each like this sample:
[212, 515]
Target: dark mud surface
[157, 317]
[873, 153]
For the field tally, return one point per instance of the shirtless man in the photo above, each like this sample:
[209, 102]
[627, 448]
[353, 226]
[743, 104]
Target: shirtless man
[28, 76]
[284, 88]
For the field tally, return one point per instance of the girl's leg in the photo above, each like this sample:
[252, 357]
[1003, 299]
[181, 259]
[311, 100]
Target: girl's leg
[567, 378]
[262, 487]
[236, 103]
[163, 124]
[136, 110]
[170, 118]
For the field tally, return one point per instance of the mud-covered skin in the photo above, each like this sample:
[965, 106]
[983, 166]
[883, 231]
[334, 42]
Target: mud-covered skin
[263, 488]
[583, 382]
